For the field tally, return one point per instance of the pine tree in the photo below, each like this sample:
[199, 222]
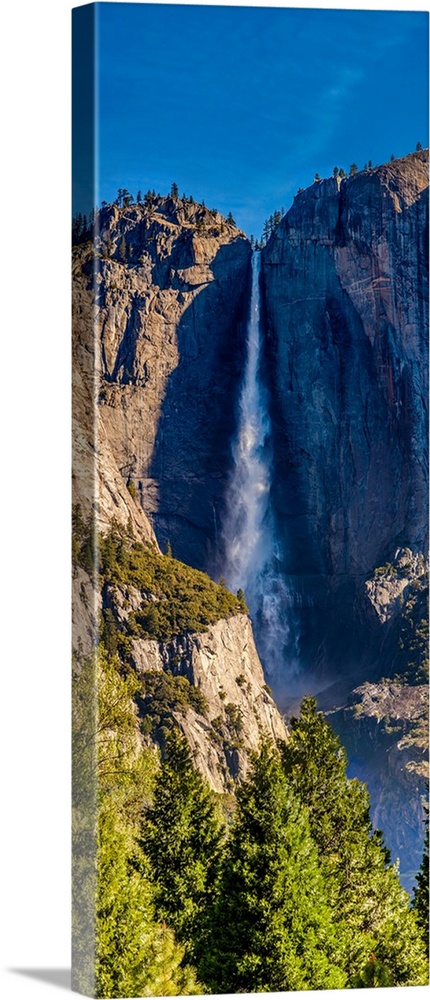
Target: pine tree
[135, 954]
[108, 631]
[183, 840]
[364, 889]
[270, 927]
[421, 891]
[84, 809]
[242, 600]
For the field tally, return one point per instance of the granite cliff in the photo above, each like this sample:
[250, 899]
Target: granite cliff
[159, 307]
[212, 684]
[170, 307]
[384, 726]
[159, 345]
[345, 283]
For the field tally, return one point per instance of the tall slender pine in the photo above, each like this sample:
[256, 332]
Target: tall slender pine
[270, 927]
[183, 837]
[365, 894]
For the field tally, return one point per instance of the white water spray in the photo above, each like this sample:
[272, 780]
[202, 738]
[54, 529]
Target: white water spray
[252, 558]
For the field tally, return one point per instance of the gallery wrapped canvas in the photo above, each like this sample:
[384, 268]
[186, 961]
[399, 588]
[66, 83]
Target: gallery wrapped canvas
[250, 512]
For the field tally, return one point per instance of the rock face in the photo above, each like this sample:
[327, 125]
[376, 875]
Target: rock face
[390, 584]
[160, 310]
[385, 728]
[223, 665]
[345, 281]
[98, 486]
[169, 306]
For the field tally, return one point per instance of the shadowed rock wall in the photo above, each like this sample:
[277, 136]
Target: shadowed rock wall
[345, 279]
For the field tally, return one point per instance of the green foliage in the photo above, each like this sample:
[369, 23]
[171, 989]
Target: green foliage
[175, 597]
[136, 955]
[414, 634]
[270, 926]
[83, 542]
[364, 890]
[108, 631]
[241, 601]
[183, 838]
[234, 721]
[300, 895]
[84, 824]
[162, 694]
[411, 664]
[269, 227]
[421, 891]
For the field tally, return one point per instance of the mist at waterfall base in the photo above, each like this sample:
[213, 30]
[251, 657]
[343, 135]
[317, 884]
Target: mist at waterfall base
[252, 557]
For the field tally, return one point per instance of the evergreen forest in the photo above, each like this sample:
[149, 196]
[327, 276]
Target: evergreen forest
[283, 885]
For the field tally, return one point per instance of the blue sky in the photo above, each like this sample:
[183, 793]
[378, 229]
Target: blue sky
[242, 105]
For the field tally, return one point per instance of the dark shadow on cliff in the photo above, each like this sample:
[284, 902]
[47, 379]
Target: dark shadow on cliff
[192, 453]
[335, 426]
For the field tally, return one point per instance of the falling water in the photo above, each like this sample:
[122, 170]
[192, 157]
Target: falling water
[252, 557]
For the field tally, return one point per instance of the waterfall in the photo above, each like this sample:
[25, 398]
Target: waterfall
[251, 551]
